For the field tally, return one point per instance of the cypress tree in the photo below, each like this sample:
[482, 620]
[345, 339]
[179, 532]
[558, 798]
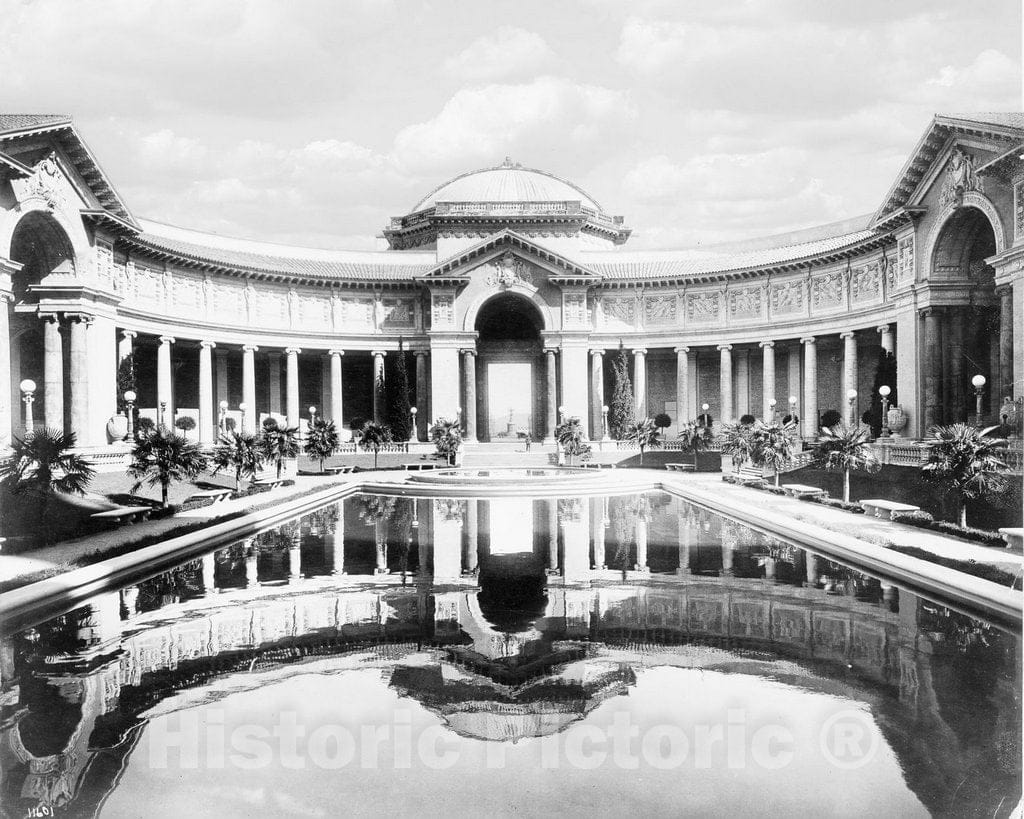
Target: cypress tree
[399, 415]
[622, 409]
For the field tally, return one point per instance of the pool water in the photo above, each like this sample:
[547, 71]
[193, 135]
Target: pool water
[566, 656]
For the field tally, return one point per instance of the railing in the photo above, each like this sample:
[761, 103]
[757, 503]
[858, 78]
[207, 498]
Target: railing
[350, 448]
[508, 208]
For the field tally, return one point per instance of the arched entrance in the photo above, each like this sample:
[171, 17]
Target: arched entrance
[962, 340]
[509, 349]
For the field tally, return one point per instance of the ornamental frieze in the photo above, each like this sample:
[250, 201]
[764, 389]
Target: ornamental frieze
[827, 291]
[1018, 210]
[507, 271]
[315, 312]
[961, 177]
[617, 311]
[272, 309]
[188, 294]
[905, 259]
[660, 310]
[866, 284]
[104, 261]
[787, 298]
[746, 303]
[399, 312]
[703, 307]
[149, 286]
[443, 311]
[228, 301]
[357, 313]
[574, 309]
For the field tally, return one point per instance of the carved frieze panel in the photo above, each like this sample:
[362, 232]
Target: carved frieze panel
[702, 308]
[827, 291]
[314, 312]
[272, 309]
[905, 259]
[443, 311]
[229, 301]
[660, 310]
[787, 298]
[617, 311]
[105, 265]
[746, 303]
[506, 271]
[866, 284]
[188, 294]
[1018, 210]
[357, 314]
[149, 286]
[574, 309]
[399, 312]
[961, 177]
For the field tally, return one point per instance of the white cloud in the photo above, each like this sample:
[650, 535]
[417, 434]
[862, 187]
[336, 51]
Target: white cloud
[508, 52]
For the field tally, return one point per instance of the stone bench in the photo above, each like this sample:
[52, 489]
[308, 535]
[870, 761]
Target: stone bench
[799, 490]
[419, 466]
[680, 467]
[884, 509]
[1014, 537]
[213, 495]
[750, 474]
[340, 470]
[269, 483]
[123, 514]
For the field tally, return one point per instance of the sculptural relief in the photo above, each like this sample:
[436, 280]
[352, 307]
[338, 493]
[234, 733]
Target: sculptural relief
[357, 313]
[660, 310]
[315, 311]
[961, 177]
[866, 284]
[574, 309]
[703, 307]
[507, 270]
[1018, 209]
[619, 311]
[398, 312]
[827, 291]
[787, 298]
[443, 311]
[746, 303]
[272, 308]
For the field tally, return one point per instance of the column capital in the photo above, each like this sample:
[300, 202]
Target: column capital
[639, 351]
[50, 318]
[766, 345]
[807, 340]
[167, 339]
[380, 353]
[293, 350]
[336, 352]
[597, 353]
[250, 348]
[848, 334]
[128, 334]
[681, 349]
[207, 345]
[883, 328]
[725, 347]
[1004, 291]
[467, 351]
[83, 318]
[550, 350]
[421, 353]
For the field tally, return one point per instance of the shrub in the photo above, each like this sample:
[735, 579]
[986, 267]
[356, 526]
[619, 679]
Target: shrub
[921, 519]
[835, 503]
[185, 423]
[830, 418]
[747, 419]
[661, 420]
[145, 425]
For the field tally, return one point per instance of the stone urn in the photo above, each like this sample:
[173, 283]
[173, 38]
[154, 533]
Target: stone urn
[117, 427]
[1008, 414]
[896, 420]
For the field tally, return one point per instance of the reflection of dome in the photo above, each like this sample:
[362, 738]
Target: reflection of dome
[508, 182]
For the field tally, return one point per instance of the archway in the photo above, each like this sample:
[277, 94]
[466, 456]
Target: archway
[968, 342]
[510, 400]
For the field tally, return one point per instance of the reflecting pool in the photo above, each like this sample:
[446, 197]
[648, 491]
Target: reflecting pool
[567, 656]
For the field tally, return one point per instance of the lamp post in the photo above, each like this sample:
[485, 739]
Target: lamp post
[771, 406]
[979, 390]
[129, 405]
[884, 391]
[312, 416]
[604, 420]
[223, 418]
[28, 390]
[242, 409]
[163, 413]
[413, 437]
[851, 399]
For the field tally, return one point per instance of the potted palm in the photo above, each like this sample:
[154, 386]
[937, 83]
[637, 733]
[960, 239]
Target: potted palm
[373, 436]
[772, 447]
[843, 449]
[966, 461]
[737, 441]
[322, 441]
[161, 457]
[693, 438]
[644, 434]
[447, 438]
[278, 443]
[239, 451]
[569, 436]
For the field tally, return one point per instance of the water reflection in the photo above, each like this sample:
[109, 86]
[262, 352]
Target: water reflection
[513, 619]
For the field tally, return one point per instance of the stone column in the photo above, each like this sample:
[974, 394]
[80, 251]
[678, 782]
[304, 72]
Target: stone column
[767, 379]
[469, 565]
[337, 406]
[422, 407]
[1006, 379]
[378, 385]
[274, 382]
[6, 403]
[725, 382]
[849, 375]
[221, 359]
[207, 414]
[641, 545]
[250, 417]
[469, 393]
[574, 386]
[444, 379]
[930, 366]
[125, 346]
[292, 386]
[888, 339]
[810, 387]
[741, 383]
[682, 385]
[165, 382]
[79, 377]
[338, 541]
[956, 391]
[596, 393]
[53, 373]
[793, 384]
[640, 381]
[552, 396]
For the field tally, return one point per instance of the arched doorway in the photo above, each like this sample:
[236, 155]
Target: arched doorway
[967, 341]
[41, 246]
[510, 396]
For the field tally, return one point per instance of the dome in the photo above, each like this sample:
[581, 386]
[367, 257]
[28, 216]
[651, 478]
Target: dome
[508, 182]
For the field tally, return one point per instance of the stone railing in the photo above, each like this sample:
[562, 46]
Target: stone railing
[911, 453]
[350, 448]
[507, 208]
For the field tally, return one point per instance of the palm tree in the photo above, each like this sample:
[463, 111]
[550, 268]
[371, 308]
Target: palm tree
[447, 437]
[373, 436]
[644, 434]
[42, 464]
[322, 441]
[693, 438]
[239, 451]
[737, 441]
[843, 448]
[967, 461]
[278, 443]
[772, 447]
[569, 435]
[161, 457]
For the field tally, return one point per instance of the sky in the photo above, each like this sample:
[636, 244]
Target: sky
[313, 122]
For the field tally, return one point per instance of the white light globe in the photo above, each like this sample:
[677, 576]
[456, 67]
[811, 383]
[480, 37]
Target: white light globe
[28, 385]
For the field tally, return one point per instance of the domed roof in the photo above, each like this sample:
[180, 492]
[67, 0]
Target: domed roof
[508, 182]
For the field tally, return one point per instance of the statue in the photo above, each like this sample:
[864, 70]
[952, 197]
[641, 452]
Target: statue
[961, 178]
[896, 419]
